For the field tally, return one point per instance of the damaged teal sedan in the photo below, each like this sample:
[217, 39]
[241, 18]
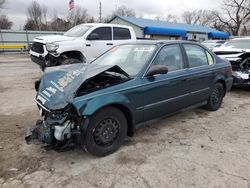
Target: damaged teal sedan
[97, 105]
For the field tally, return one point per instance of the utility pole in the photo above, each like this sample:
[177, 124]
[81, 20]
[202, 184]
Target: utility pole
[100, 12]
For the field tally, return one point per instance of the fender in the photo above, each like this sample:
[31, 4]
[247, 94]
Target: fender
[89, 106]
[219, 77]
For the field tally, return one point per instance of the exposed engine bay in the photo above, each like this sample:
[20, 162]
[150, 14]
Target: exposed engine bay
[61, 127]
[100, 81]
[240, 62]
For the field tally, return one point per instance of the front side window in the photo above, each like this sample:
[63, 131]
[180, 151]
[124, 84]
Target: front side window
[102, 33]
[121, 33]
[171, 57]
[130, 58]
[196, 55]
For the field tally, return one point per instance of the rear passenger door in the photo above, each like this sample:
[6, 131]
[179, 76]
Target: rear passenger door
[121, 35]
[201, 74]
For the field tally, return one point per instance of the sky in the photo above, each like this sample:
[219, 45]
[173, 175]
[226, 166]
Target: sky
[16, 10]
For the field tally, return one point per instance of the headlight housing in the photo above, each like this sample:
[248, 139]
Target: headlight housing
[52, 47]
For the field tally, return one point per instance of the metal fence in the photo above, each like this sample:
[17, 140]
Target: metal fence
[12, 37]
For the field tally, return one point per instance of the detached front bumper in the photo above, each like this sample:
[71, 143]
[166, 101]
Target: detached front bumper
[41, 133]
[34, 134]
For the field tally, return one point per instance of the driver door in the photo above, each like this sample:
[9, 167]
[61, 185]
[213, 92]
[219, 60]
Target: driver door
[98, 45]
[167, 93]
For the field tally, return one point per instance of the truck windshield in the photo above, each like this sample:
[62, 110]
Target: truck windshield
[131, 58]
[77, 31]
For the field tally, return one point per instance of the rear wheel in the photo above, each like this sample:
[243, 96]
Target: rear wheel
[106, 132]
[215, 100]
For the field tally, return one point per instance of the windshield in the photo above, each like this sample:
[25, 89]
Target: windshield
[241, 44]
[130, 58]
[77, 31]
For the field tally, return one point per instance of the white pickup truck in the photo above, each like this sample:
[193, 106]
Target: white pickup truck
[82, 43]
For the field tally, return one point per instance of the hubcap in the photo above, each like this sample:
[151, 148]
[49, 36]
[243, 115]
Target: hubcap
[106, 132]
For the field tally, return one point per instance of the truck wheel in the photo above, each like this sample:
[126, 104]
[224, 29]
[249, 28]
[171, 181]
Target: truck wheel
[215, 100]
[70, 61]
[106, 132]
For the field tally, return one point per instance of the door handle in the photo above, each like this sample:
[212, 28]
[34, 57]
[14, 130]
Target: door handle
[109, 44]
[88, 45]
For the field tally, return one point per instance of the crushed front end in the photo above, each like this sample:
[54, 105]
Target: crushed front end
[240, 62]
[58, 129]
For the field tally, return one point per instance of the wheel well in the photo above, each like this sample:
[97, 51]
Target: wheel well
[128, 115]
[224, 85]
[74, 54]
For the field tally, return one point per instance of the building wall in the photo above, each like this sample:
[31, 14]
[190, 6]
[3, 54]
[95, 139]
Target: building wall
[164, 37]
[199, 36]
[138, 31]
[140, 34]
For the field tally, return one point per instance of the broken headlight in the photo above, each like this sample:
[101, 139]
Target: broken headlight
[52, 47]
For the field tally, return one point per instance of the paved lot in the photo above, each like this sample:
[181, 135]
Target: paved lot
[192, 149]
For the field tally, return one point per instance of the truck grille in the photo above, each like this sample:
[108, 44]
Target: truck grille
[37, 47]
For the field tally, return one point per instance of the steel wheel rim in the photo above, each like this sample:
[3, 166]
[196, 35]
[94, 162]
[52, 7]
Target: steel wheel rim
[106, 132]
[216, 96]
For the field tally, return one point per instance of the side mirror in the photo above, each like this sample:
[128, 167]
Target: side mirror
[157, 69]
[93, 36]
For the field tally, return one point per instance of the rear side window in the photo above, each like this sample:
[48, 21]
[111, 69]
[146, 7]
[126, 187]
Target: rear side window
[196, 56]
[121, 33]
[210, 58]
[104, 33]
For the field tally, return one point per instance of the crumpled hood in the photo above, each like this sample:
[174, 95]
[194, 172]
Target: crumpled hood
[59, 84]
[52, 38]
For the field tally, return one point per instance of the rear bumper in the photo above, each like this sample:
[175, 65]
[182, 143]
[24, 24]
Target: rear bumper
[229, 83]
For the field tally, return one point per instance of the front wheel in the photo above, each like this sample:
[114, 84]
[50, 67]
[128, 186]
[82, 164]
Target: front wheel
[69, 61]
[215, 99]
[106, 132]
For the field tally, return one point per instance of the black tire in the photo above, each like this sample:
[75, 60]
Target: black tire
[106, 132]
[216, 97]
[69, 61]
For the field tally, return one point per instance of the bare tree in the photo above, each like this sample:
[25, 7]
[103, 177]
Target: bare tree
[235, 15]
[171, 18]
[5, 23]
[37, 17]
[44, 14]
[191, 17]
[168, 18]
[124, 11]
[35, 13]
[78, 15]
[121, 11]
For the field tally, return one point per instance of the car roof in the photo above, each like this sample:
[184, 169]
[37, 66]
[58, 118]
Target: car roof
[105, 24]
[162, 42]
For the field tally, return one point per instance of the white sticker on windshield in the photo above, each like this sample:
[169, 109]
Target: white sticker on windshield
[144, 49]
